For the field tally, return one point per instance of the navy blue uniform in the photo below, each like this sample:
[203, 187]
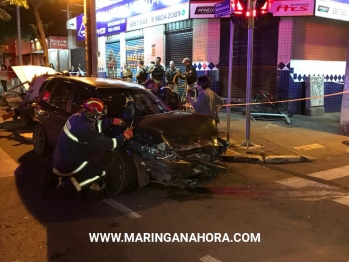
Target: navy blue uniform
[77, 143]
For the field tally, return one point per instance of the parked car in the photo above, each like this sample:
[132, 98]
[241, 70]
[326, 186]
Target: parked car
[169, 146]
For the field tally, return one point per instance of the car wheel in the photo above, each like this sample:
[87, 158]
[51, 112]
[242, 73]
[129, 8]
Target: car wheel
[40, 141]
[122, 173]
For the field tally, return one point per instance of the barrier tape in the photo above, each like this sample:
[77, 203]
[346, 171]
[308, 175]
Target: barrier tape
[289, 100]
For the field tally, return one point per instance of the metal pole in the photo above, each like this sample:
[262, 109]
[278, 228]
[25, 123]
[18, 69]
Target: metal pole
[19, 38]
[31, 50]
[87, 17]
[251, 7]
[230, 77]
[94, 45]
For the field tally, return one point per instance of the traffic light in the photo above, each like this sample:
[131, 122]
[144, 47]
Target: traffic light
[242, 12]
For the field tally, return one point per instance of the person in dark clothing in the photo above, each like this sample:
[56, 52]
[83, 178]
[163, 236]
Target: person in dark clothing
[208, 102]
[77, 147]
[190, 77]
[157, 72]
[170, 74]
[152, 86]
[170, 97]
[142, 74]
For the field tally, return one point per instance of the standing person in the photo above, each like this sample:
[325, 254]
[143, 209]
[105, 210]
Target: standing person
[77, 145]
[80, 72]
[190, 77]
[72, 71]
[126, 73]
[208, 102]
[170, 73]
[12, 75]
[157, 72]
[3, 78]
[142, 74]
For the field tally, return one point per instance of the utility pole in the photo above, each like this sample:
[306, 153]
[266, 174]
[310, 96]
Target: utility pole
[251, 5]
[87, 22]
[19, 38]
[230, 76]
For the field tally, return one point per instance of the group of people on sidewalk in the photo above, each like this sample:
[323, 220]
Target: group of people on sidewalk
[198, 92]
[7, 75]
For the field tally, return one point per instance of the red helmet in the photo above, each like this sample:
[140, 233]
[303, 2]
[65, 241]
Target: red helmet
[94, 105]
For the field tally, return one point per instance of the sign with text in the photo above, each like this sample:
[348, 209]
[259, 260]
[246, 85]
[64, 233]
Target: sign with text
[292, 8]
[222, 9]
[58, 42]
[333, 9]
[159, 17]
[203, 10]
[113, 19]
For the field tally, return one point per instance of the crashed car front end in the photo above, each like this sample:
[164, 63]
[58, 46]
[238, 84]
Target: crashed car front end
[179, 148]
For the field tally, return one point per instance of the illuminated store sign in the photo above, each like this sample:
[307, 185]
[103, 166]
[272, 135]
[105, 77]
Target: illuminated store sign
[115, 18]
[292, 8]
[334, 9]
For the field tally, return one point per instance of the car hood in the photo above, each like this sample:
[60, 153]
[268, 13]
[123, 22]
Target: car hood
[178, 124]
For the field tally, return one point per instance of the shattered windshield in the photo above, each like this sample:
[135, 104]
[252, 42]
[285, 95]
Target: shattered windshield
[128, 103]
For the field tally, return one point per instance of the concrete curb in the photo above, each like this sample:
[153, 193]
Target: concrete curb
[273, 159]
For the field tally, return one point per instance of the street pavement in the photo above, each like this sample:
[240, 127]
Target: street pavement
[300, 209]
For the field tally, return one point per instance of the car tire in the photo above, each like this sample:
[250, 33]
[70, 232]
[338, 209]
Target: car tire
[40, 141]
[122, 173]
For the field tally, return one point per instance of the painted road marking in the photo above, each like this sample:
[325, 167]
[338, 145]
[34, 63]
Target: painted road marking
[209, 259]
[122, 208]
[298, 182]
[342, 200]
[7, 164]
[27, 136]
[331, 174]
[308, 147]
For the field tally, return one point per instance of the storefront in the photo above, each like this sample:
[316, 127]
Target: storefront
[134, 30]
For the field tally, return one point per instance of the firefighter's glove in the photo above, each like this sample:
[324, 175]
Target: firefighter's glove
[118, 122]
[128, 133]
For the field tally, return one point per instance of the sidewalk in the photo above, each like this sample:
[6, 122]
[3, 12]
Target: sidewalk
[305, 139]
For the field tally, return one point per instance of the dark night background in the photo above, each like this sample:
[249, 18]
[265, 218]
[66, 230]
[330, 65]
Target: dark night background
[49, 12]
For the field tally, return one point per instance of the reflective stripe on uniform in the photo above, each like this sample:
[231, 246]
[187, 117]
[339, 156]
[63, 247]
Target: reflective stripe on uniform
[78, 169]
[99, 125]
[115, 143]
[90, 180]
[75, 183]
[71, 136]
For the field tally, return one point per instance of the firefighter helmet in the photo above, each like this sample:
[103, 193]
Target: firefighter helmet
[94, 106]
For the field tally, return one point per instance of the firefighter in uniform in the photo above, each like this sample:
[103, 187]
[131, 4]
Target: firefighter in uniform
[77, 145]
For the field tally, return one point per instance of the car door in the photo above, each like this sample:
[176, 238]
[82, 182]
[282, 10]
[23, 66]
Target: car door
[60, 100]
[81, 94]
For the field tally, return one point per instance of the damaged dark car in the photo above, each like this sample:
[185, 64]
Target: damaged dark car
[170, 147]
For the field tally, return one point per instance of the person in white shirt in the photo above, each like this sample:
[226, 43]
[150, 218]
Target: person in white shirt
[3, 78]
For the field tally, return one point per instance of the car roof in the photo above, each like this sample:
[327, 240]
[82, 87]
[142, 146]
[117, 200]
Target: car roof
[101, 82]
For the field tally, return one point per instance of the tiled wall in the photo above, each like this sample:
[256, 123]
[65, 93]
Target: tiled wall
[206, 34]
[317, 38]
[317, 46]
[285, 40]
[154, 36]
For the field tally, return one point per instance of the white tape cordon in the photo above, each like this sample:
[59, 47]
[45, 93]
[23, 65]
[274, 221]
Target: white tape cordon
[289, 100]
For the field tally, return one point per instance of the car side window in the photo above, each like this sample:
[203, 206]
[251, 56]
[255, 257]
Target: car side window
[61, 94]
[80, 96]
[46, 92]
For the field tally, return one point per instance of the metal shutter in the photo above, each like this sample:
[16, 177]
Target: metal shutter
[179, 44]
[112, 52]
[134, 51]
[264, 61]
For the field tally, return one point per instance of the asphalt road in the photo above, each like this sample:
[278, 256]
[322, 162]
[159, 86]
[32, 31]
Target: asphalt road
[298, 212]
